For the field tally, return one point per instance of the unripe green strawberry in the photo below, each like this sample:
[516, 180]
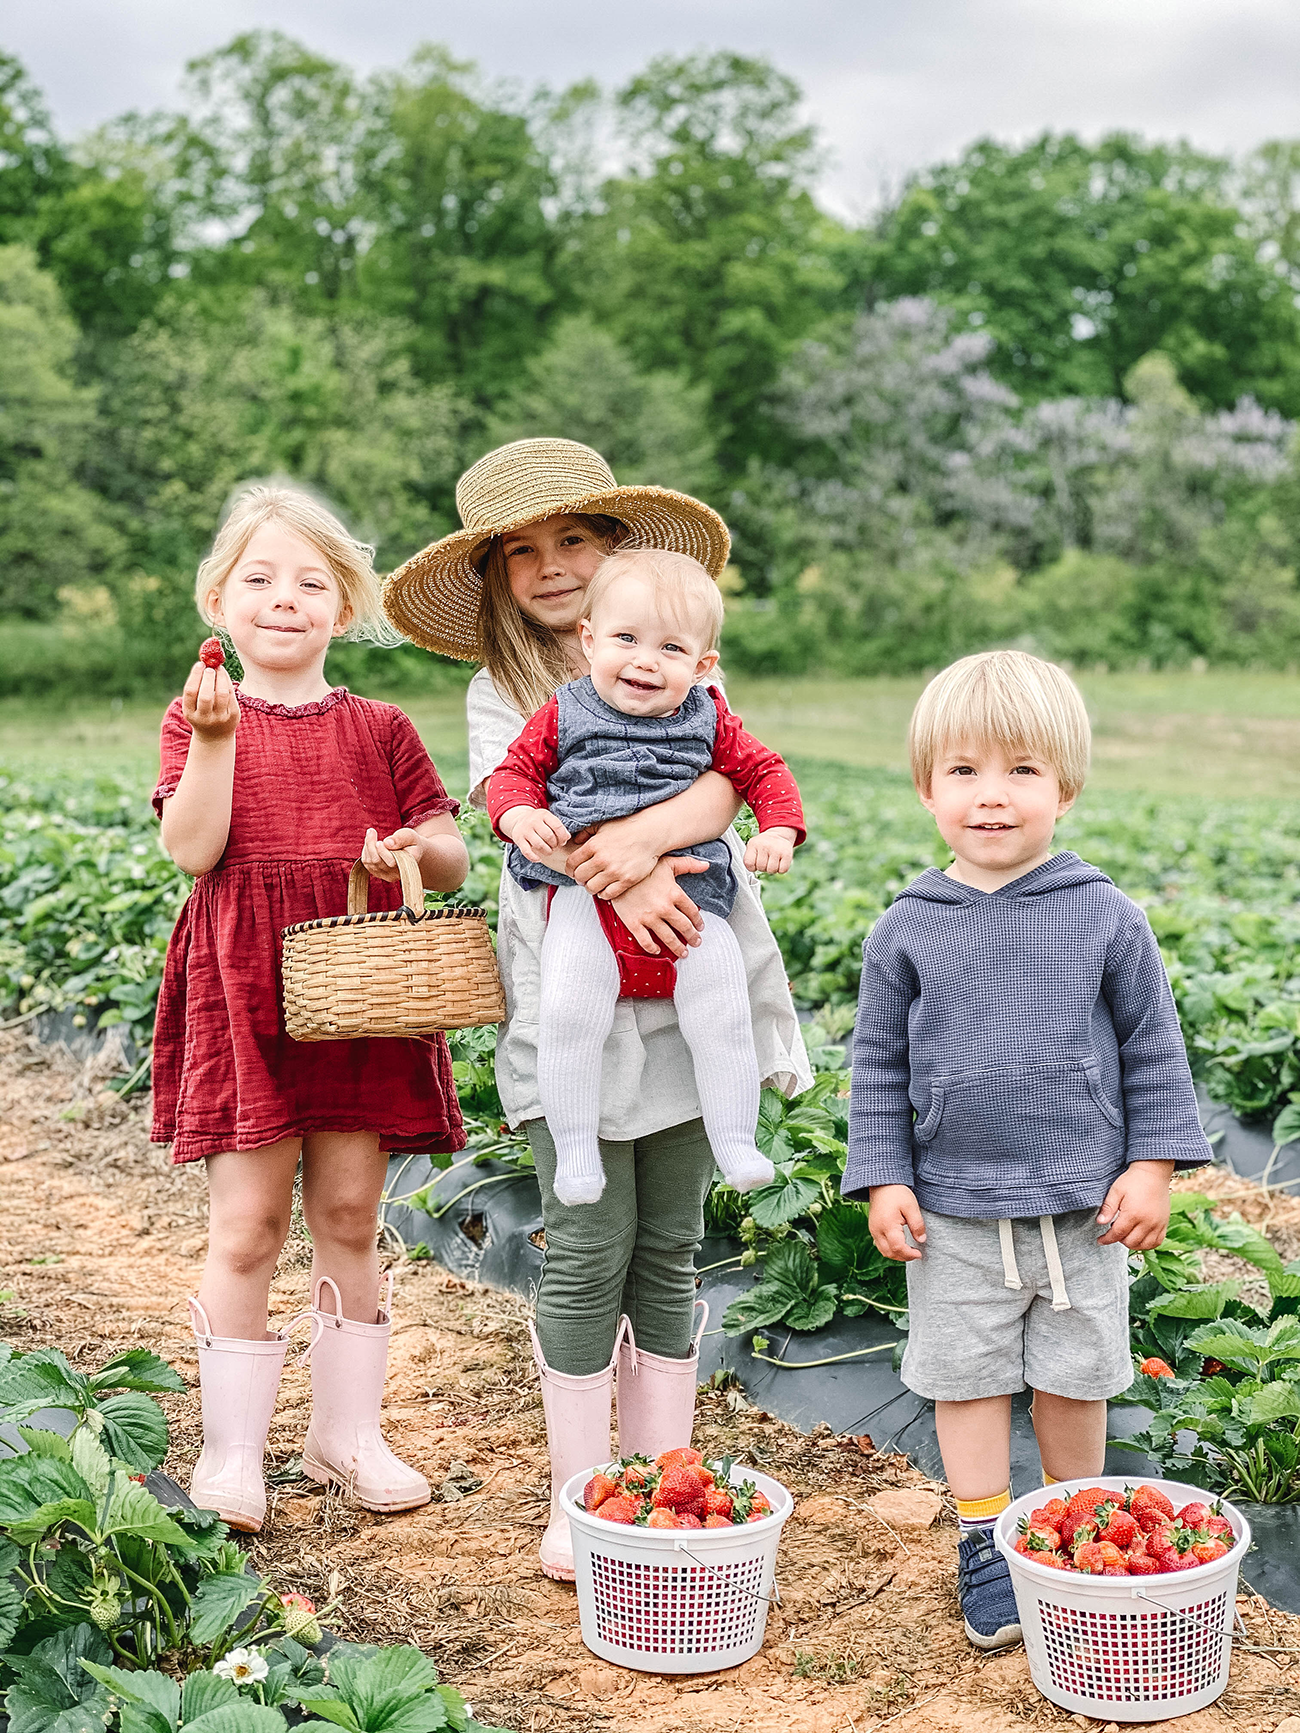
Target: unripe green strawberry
[300, 1621]
[104, 1610]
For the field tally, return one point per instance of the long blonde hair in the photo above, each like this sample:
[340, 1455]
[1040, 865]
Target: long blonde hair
[525, 659]
[351, 561]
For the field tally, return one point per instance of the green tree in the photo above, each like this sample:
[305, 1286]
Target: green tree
[652, 427]
[32, 161]
[709, 257]
[1080, 259]
[54, 532]
[462, 247]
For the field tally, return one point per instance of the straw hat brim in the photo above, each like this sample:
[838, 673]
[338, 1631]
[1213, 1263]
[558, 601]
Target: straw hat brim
[434, 598]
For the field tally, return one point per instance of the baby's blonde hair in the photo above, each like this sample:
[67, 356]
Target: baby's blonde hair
[351, 561]
[1005, 698]
[681, 586]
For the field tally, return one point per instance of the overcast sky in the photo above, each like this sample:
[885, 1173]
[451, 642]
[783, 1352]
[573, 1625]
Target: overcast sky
[892, 84]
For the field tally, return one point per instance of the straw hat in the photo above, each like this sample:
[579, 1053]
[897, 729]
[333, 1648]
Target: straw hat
[433, 599]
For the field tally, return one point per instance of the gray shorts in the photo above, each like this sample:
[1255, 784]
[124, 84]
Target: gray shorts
[973, 1335]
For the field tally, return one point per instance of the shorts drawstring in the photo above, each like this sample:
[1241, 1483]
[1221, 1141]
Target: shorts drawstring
[1011, 1275]
[1051, 1251]
[1060, 1299]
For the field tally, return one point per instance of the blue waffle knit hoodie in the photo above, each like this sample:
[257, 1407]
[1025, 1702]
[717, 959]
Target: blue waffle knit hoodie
[1014, 1049]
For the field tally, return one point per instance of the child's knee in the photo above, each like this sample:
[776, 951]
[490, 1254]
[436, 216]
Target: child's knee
[248, 1244]
[350, 1224]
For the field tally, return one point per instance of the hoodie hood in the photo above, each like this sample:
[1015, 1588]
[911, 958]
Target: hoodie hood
[1059, 872]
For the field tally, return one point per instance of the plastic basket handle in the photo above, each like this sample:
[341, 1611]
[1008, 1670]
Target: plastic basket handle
[736, 1588]
[1178, 1613]
[408, 872]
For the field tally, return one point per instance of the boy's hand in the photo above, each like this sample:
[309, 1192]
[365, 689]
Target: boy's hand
[209, 704]
[535, 832]
[893, 1208]
[377, 856]
[771, 851]
[1135, 1211]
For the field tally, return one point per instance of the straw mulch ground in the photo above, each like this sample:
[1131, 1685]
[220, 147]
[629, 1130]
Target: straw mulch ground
[100, 1241]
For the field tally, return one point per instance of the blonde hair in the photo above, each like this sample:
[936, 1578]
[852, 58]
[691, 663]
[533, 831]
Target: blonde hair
[524, 658]
[1005, 698]
[351, 561]
[680, 584]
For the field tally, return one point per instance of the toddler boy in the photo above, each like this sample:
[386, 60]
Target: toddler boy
[1020, 1099]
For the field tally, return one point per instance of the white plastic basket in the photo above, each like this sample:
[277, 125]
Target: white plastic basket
[1126, 1648]
[668, 1600]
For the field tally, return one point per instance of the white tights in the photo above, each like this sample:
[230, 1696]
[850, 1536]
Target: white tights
[578, 997]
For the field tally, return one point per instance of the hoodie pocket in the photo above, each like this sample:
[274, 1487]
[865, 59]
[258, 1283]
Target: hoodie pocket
[1049, 1123]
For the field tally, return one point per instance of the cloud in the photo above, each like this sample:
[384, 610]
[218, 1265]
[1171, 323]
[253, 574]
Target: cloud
[892, 84]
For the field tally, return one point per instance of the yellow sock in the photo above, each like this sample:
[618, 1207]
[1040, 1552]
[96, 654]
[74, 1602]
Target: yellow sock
[1050, 1479]
[973, 1513]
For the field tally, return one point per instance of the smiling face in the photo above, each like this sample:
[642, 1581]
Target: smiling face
[549, 565]
[996, 809]
[281, 604]
[643, 661]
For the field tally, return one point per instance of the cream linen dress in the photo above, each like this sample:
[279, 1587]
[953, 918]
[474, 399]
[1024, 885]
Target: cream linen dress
[647, 1080]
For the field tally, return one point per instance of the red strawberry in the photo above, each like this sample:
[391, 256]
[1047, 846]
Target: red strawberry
[1149, 1508]
[619, 1509]
[761, 1503]
[1057, 1561]
[717, 1502]
[211, 653]
[1194, 1515]
[1050, 1513]
[1206, 1551]
[1140, 1562]
[1219, 1528]
[1210, 1367]
[1154, 1367]
[716, 1520]
[662, 1519]
[1035, 1538]
[683, 1457]
[638, 1476]
[1102, 1559]
[687, 1520]
[756, 1516]
[701, 1473]
[1081, 1511]
[679, 1490]
[1120, 1528]
[598, 1489]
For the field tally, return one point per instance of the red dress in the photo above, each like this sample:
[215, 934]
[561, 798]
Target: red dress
[309, 780]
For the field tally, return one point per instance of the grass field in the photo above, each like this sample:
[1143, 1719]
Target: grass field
[1223, 735]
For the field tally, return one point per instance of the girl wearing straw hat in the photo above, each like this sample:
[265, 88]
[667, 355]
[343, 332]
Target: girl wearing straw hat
[617, 1295]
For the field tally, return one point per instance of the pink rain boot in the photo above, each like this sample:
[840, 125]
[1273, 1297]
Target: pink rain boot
[344, 1444]
[656, 1396]
[238, 1382]
[577, 1437]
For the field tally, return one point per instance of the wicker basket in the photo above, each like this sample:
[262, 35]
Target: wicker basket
[398, 973]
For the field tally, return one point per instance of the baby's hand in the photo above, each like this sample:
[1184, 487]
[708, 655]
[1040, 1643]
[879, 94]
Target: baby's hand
[535, 832]
[209, 704]
[893, 1208]
[1135, 1211]
[771, 851]
[377, 853]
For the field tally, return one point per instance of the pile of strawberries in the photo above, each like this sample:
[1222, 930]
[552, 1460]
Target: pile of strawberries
[677, 1490]
[1131, 1534]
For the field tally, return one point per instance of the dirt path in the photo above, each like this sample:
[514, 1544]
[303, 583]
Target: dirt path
[100, 1241]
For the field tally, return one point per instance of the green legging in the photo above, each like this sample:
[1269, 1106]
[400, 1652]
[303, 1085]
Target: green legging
[632, 1251]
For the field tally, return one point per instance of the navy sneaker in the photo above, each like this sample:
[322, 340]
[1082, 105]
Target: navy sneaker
[988, 1600]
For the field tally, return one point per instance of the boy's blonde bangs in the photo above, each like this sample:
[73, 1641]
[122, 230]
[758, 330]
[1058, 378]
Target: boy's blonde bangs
[688, 595]
[350, 560]
[1005, 698]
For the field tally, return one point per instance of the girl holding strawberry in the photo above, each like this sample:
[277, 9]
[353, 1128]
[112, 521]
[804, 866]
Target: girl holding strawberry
[618, 1290]
[269, 789]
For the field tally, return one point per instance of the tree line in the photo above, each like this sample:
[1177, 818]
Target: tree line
[1045, 395]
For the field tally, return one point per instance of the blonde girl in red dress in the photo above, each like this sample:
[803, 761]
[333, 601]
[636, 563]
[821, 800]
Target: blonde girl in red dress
[269, 790]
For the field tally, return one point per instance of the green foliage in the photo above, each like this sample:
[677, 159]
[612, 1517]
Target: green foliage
[116, 1611]
[1078, 259]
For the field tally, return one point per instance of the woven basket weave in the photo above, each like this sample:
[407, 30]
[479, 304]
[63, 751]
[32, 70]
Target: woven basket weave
[398, 973]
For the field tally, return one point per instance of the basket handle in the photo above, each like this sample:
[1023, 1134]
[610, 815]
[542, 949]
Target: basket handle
[408, 872]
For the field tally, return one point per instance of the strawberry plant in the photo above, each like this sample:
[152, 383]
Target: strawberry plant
[124, 1610]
